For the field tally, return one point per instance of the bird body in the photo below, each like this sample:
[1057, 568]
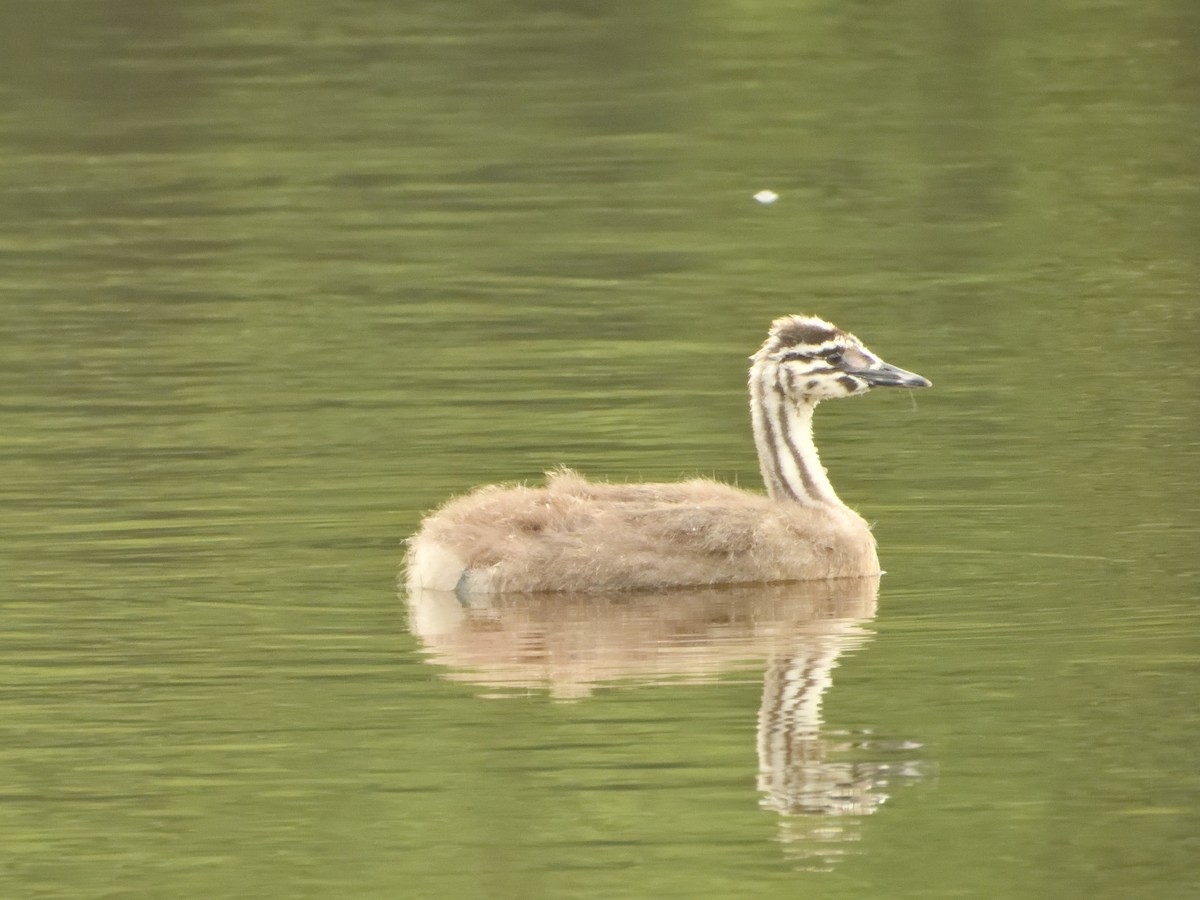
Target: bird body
[577, 535]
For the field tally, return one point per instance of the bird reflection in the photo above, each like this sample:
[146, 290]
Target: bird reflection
[822, 783]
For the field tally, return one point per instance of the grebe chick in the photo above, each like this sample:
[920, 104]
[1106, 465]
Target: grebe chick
[577, 535]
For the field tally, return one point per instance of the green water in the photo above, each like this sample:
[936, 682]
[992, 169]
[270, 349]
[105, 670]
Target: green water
[277, 278]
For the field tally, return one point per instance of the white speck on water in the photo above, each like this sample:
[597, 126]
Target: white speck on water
[766, 196]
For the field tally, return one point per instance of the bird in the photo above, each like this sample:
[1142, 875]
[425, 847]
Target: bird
[575, 535]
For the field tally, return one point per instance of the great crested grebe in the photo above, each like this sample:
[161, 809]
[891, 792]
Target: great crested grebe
[577, 535]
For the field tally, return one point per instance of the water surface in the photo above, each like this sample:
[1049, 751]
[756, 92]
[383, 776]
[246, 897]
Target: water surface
[277, 280]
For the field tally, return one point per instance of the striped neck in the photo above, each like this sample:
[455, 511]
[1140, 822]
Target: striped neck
[791, 469]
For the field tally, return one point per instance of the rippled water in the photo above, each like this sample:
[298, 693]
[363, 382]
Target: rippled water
[277, 280]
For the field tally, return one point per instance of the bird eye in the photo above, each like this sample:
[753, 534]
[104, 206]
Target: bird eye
[834, 359]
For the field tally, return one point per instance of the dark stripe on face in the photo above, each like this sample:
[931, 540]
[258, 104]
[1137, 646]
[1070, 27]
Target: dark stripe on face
[788, 377]
[824, 369]
[850, 384]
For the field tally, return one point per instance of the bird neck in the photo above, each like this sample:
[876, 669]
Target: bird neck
[791, 469]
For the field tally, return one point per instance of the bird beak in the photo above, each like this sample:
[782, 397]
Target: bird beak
[884, 375]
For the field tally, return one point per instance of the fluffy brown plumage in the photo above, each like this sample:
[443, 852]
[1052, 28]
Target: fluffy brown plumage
[576, 535]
